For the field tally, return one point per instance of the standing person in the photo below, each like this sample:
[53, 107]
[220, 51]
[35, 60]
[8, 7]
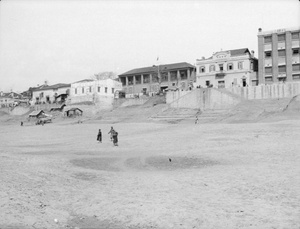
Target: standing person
[99, 136]
[21, 123]
[197, 120]
[111, 132]
[115, 138]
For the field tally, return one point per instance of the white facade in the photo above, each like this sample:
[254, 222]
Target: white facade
[227, 69]
[96, 91]
[48, 94]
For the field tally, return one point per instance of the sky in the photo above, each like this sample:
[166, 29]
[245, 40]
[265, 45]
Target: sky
[63, 41]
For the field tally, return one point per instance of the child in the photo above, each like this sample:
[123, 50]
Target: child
[99, 136]
[111, 132]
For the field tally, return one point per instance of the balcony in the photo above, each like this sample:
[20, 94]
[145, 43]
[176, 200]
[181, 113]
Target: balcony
[281, 60]
[295, 44]
[295, 59]
[220, 75]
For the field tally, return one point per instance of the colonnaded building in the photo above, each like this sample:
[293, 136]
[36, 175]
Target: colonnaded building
[278, 54]
[229, 68]
[150, 80]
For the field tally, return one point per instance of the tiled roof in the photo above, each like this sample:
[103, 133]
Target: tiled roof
[238, 52]
[35, 113]
[55, 86]
[165, 67]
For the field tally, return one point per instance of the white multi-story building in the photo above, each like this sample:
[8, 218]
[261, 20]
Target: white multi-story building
[227, 68]
[96, 91]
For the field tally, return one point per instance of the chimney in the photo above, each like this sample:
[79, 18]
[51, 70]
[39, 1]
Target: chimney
[1, 93]
[203, 58]
[259, 30]
[252, 53]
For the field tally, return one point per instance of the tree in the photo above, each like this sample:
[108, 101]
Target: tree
[104, 76]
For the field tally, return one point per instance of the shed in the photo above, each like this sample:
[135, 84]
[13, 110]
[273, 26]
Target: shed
[36, 114]
[73, 111]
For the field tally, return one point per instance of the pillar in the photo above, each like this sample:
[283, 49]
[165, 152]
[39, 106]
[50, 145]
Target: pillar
[142, 79]
[126, 81]
[275, 57]
[288, 56]
[261, 58]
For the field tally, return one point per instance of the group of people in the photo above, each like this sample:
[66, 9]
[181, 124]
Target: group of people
[113, 136]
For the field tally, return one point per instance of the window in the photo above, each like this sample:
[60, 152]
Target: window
[296, 67]
[105, 89]
[230, 66]
[164, 76]
[130, 80]
[138, 79]
[240, 65]
[268, 70]
[146, 79]
[296, 77]
[282, 69]
[75, 90]
[268, 39]
[82, 90]
[183, 74]
[98, 89]
[221, 84]
[202, 69]
[154, 77]
[251, 65]
[123, 80]
[90, 89]
[296, 51]
[281, 37]
[207, 83]
[295, 36]
[281, 52]
[173, 76]
[112, 90]
[268, 79]
[212, 68]
[268, 54]
[221, 67]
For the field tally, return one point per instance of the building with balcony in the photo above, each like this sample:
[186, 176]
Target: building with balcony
[150, 80]
[56, 93]
[229, 68]
[278, 54]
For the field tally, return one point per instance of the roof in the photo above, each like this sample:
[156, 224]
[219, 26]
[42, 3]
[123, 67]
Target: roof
[165, 67]
[12, 95]
[238, 52]
[36, 113]
[55, 86]
[85, 80]
[72, 109]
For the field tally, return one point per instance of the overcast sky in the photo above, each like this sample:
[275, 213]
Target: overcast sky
[63, 41]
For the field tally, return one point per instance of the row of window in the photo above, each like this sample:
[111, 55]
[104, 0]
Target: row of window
[212, 68]
[282, 69]
[281, 37]
[295, 51]
[89, 90]
[270, 78]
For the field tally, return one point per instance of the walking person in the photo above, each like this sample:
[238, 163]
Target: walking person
[115, 138]
[111, 132]
[99, 136]
[197, 120]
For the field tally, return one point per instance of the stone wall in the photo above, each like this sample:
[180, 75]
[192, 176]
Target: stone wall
[202, 98]
[271, 91]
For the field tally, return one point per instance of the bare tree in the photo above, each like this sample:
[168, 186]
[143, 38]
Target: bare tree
[104, 76]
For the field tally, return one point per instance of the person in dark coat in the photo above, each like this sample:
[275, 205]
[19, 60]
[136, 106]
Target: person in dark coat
[99, 136]
[115, 138]
[111, 132]
[21, 123]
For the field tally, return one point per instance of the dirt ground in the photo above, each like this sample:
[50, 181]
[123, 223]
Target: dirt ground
[161, 175]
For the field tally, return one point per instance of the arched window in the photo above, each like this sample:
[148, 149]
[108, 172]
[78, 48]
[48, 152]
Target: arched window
[212, 68]
[202, 69]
